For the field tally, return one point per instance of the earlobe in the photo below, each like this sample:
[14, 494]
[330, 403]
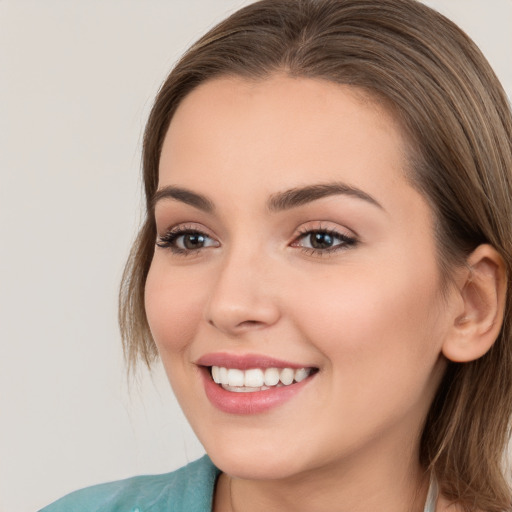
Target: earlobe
[483, 292]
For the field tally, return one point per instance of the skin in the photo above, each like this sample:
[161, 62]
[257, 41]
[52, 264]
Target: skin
[370, 316]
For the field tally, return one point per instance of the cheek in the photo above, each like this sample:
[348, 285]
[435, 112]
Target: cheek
[173, 308]
[378, 338]
[374, 320]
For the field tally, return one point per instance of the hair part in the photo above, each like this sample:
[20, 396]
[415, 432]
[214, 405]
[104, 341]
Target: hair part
[457, 120]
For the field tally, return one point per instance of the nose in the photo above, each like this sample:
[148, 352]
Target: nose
[242, 298]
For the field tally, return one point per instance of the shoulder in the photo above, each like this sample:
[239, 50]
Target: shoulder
[188, 489]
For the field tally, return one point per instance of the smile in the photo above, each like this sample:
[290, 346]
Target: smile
[257, 379]
[250, 383]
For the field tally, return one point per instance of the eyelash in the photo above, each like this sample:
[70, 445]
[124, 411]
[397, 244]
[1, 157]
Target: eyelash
[169, 240]
[345, 241]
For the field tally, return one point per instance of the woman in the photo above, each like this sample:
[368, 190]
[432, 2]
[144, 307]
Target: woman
[324, 265]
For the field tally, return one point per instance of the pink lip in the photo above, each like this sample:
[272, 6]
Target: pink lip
[245, 361]
[253, 402]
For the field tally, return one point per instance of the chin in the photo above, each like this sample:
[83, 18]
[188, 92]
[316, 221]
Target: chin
[250, 457]
[254, 468]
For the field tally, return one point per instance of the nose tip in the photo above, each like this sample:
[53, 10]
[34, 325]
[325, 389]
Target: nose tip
[238, 305]
[235, 316]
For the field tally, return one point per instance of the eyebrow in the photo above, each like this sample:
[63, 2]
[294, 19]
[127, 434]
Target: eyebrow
[185, 196]
[279, 201]
[303, 195]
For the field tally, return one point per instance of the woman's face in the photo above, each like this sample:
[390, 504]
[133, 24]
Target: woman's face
[289, 237]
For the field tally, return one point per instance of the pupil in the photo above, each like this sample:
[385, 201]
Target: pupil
[321, 240]
[193, 241]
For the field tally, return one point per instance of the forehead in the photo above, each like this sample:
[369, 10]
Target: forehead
[284, 132]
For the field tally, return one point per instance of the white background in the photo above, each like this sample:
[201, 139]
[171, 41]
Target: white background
[77, 79]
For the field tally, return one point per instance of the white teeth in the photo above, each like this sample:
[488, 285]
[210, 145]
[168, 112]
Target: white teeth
[256, 379]
[271, 376]
[244, 389]
[301, 374]
[235, 377]
[215, 374]
[286, 376]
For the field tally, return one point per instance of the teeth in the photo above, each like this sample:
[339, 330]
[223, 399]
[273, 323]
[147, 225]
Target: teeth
[271, 376]
[286, 376]
[301, 374]
[215, 374]
[235, 377]
[223, 375]
[256, 379]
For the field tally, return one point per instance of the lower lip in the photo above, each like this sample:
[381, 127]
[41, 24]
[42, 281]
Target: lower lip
[252, 402]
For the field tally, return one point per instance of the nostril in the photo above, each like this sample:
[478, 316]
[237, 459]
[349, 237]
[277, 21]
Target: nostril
[239, 317]
[245, 323]
[249, 325]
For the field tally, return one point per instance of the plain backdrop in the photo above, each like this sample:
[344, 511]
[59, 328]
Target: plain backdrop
[77, 79]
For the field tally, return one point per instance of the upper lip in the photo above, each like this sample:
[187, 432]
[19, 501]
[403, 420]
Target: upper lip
[246, 361]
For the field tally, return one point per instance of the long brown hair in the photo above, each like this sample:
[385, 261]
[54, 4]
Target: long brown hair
[457, 119]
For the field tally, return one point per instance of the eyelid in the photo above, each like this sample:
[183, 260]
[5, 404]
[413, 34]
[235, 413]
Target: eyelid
[185, 226]
[168, 238]
[327, 226]
[347, 238]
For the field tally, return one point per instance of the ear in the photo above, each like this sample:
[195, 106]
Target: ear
[482, 288]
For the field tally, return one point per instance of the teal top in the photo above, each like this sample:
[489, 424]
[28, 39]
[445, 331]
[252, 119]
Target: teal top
[189, 489]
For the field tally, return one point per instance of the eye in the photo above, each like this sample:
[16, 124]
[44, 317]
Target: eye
[323, 241]
[182, 240]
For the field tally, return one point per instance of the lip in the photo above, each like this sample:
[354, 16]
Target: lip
[246, 361]
[254, 402]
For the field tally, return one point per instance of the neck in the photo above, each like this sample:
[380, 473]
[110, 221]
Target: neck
[381, 482]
